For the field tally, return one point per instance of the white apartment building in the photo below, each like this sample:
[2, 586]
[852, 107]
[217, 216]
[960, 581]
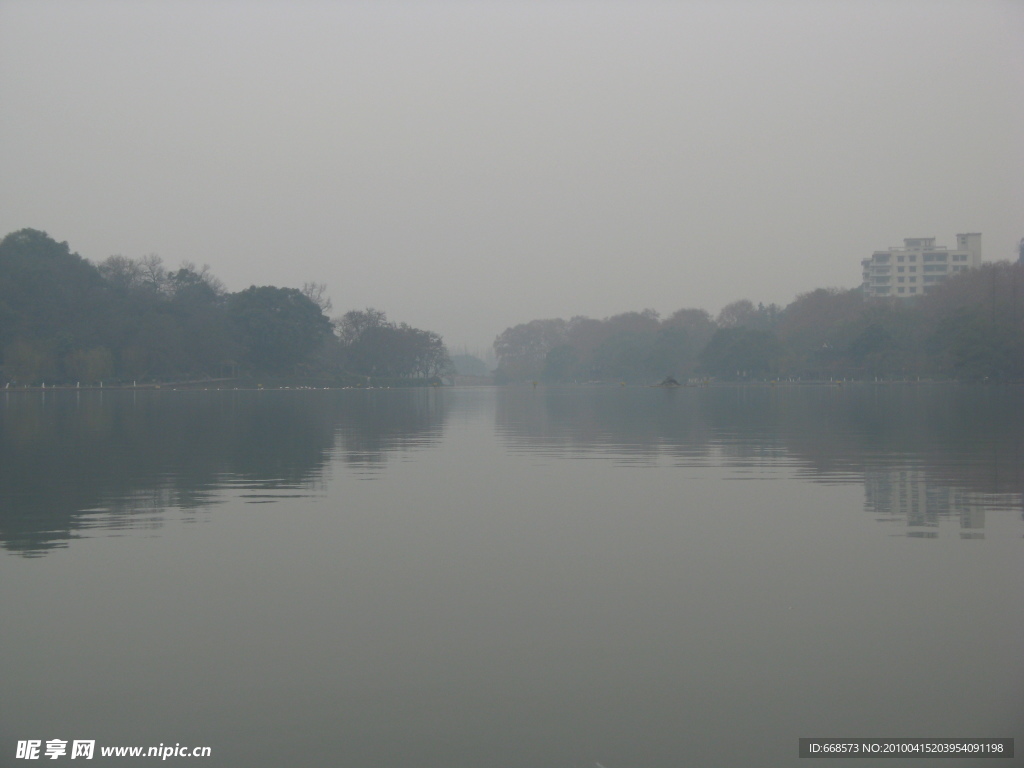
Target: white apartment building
[918, 265]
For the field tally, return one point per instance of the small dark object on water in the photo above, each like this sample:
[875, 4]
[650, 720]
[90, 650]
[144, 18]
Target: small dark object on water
[669, 382]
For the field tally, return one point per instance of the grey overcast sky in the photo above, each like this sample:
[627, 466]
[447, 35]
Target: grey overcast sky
[467, 166]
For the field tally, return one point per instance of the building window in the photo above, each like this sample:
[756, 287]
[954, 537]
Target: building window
[913, 269]
[913, 257]
[913, 279]
[901, 268]
[903, 290]
[900, 279]
[913, 290]
[899, 258]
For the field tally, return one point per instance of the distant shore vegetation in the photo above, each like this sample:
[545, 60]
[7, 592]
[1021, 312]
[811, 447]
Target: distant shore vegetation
[64, 320]
[969, 327]
[67, 321]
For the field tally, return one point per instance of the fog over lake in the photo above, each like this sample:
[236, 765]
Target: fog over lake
[520, 576]
[716, 486]
[470, 166]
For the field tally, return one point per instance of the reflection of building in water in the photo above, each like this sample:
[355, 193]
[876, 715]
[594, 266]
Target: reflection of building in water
[907, 493]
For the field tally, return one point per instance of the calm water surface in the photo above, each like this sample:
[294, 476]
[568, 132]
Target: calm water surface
[572, 577]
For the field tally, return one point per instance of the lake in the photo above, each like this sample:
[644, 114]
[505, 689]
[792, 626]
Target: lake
[537, 577]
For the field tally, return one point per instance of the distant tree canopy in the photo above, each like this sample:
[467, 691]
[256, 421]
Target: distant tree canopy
[63, 319]
[469, 365]
[276, 328]
[52, 301]
[374, 347]
[633, 346]
[969, 327]
[741, 353]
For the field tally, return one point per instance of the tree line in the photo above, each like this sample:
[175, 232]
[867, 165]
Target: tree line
[66, 320]
[969, 327]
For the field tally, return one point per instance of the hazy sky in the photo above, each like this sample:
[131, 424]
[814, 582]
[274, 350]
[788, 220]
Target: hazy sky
[466, 166]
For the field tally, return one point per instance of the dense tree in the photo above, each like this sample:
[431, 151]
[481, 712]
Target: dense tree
[971, 326]
[165, 324]
[64, 320]
[276, 328]
[816, 325]
[122, 273]
[52, 302]
[27, 361]
[90, 365]
[632, 346]
[562, 363]
[696, 322]
[317, 293]
[522, 350]
[624, 355]
[739, 353]
[977, 322]
[736, 314]
[743, 314]
[372, 346]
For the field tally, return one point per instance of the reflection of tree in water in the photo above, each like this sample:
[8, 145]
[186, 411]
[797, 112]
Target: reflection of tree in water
[959, 441]
[960, 437]
[75, 461]
[376, 423]
[642, 423]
